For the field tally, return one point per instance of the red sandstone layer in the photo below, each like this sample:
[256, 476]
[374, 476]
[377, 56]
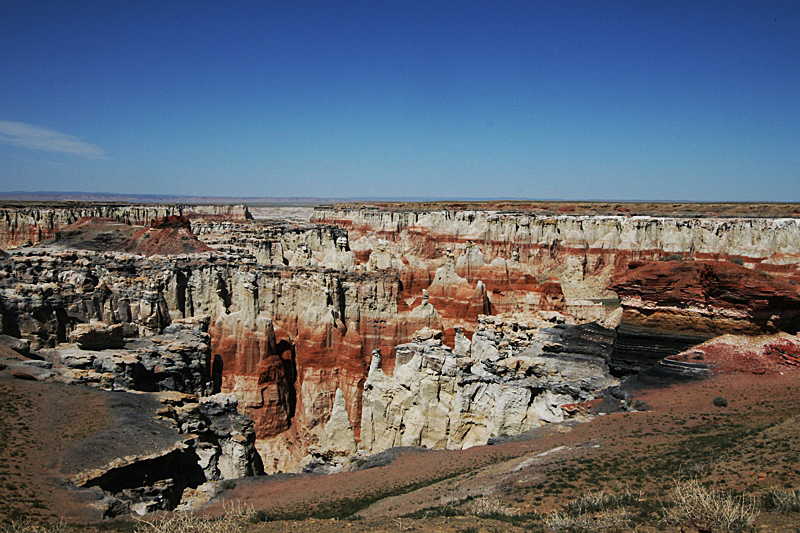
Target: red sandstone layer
[710, 297]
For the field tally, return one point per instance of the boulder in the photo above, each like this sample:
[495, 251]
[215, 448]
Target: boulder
[98, 336]
[21, 346]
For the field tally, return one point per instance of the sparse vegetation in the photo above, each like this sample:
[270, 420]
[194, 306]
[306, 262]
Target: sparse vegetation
[488, 506]
[695, 504]
[604, 510]
[563, 521]
[236, 519]
[782, 500]
[26, 525]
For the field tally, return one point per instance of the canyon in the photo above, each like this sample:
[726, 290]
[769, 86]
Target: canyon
[274, 346]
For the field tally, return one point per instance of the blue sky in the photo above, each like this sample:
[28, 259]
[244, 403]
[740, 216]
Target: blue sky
[616, 100]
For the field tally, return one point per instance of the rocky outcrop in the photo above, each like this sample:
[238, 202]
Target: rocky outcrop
[197, 441]
[175, 361]
[670, 306]
[337, 442]
[46, 295]
[97, 336]
[225, 439]
[170, 235]
[582, 252]
[18, 345]
[755, 240]
[211, 441]
[167, 236]
[33, 224]
[279, 244]
[761, 354]
[282, 341]
[510, 378]
[248, 365]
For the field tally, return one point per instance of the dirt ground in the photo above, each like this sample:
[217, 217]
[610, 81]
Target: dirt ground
[49, 432]
[40, 423]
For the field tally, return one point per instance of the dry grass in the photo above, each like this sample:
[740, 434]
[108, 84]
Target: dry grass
[689, 503]
[27, 526]
[489, 506]
[594, 511]
[236, 519]
[603, 501]
[564, 521]
[784, 501]
[695, 504]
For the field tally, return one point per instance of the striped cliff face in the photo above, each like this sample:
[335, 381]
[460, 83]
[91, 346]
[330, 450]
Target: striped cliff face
[297, 309]
[33, 224]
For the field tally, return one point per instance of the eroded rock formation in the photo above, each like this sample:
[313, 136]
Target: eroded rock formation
[513, 376]
[26, 223]
[582, 252]
[670, 306]
[195, 442]
[530, 318]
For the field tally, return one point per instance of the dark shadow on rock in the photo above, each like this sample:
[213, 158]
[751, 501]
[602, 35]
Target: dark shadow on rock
[216, 374]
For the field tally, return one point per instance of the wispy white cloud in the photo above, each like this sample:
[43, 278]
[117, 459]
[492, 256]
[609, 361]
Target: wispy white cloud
[39, 138]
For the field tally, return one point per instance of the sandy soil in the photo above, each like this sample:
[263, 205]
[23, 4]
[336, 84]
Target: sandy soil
[41, 423]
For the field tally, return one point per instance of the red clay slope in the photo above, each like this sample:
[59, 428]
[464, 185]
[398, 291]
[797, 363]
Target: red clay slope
[170, 235]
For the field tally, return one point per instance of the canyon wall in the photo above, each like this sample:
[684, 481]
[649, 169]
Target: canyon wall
[530, 308]
[282, 340]
[580, 251]
[31, 223]
[670, 306]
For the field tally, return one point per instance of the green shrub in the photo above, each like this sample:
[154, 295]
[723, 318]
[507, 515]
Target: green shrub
[719, 401]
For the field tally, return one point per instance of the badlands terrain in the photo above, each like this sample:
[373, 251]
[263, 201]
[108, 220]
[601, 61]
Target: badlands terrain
[383, 367]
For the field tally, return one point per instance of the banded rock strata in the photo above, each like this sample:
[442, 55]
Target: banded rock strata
[296, 310]
[30, 223]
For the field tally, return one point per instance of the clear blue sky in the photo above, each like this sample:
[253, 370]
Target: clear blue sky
[565, 99]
